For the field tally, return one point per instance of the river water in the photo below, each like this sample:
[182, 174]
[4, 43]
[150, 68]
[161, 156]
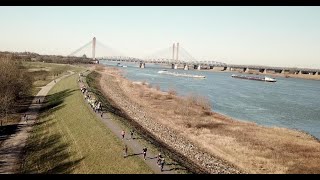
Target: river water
[289, 102]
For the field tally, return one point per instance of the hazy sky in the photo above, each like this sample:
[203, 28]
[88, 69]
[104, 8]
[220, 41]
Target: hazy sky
[277, 36]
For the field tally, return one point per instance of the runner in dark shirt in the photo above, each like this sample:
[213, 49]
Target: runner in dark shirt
[144, 151]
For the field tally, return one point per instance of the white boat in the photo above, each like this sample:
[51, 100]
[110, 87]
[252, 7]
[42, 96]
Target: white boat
[269, 79]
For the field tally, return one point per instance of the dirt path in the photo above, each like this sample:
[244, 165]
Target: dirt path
[134, 145]
[10, 151]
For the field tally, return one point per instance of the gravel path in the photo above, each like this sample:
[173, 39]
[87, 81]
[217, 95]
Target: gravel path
[132, 144]
[10, 151]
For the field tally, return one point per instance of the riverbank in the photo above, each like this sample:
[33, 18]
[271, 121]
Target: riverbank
[243, 146]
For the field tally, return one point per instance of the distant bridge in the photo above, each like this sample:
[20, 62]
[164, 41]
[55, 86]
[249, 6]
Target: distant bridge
[178, 57]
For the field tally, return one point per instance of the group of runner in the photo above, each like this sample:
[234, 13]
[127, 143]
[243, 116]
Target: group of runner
[96, 106]
[160, 158]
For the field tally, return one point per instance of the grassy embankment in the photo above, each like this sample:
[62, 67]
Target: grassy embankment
[69, 138]
[126, 124]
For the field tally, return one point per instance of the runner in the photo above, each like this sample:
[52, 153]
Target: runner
[162, 164]
[122, 134]
[144, 151]
[131, 133]
[159, 159]
[25, 117]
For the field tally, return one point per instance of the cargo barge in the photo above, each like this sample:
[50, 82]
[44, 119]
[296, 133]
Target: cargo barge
[266, 79]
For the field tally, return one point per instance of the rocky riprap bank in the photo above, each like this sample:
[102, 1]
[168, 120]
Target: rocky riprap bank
[165, 134]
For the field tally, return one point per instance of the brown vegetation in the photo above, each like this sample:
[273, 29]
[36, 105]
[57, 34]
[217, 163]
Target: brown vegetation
[250, 147]
[15, 84]
[99, 67]
[28, 56]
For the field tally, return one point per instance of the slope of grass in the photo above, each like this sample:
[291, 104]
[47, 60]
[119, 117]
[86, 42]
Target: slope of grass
[127, 125]
[69, 138]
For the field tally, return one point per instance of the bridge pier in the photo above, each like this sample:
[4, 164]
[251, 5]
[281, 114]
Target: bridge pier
[186, 67]
[199, 67]
[142, 65]
[174, 66]
[264, 71]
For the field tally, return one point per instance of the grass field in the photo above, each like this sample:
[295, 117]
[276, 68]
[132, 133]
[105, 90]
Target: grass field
[69, 138]
[93, 82]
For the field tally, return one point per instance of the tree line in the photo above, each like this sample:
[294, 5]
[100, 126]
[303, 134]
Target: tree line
[15, 83]
[29, 56]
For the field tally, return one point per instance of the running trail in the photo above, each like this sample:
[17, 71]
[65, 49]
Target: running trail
[135, 146]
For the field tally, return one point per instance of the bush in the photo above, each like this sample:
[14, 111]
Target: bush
[198, 100]
[172, 92]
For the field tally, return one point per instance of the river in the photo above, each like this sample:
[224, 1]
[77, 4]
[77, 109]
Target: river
[289, 102]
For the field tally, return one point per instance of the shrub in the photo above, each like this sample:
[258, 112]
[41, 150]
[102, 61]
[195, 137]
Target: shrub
[144, 82]
[198, 100]
[172, 92]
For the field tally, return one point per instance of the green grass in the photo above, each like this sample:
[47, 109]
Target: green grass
[92, 81]
[69, 138]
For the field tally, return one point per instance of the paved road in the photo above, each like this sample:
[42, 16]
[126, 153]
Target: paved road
[135, 146]
[10, 150]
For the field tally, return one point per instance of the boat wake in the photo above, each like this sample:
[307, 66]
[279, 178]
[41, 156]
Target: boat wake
[180, 74]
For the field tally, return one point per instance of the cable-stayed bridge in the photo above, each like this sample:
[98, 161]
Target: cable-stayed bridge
[177, 56]
[174, 55]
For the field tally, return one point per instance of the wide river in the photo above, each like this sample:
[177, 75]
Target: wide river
[289, 102]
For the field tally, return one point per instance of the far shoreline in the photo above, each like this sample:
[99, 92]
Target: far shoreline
[253, 73]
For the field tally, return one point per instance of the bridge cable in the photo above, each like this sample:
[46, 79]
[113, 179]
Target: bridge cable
[82, 47]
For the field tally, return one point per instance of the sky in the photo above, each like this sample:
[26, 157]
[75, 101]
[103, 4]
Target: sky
[256, 35]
